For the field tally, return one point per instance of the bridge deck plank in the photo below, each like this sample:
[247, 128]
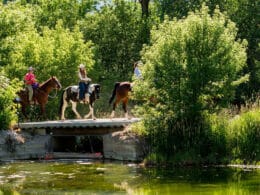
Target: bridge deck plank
[79, 123]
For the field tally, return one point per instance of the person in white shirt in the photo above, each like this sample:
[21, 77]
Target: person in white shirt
[83, 82]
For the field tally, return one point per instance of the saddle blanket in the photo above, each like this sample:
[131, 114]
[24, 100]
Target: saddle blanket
[75, 88]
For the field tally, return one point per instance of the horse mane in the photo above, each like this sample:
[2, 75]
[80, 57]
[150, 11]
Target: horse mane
[45, 83]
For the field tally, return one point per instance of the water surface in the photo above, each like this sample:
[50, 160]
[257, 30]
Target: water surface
[97, 177]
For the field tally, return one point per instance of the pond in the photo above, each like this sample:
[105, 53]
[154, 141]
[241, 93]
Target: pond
[99, 177]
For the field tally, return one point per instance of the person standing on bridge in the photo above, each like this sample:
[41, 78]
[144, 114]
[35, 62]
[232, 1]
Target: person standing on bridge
[83, 82]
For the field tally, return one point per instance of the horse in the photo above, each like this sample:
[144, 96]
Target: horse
[40, 95]
[70, 95]
[120, 91]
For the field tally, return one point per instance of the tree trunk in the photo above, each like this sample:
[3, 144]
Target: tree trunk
[145, 7]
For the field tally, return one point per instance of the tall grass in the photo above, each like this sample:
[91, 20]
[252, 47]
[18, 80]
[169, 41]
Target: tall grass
[219, 139]
[244, 137]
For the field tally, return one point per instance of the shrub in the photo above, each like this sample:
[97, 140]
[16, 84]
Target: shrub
[7, 107]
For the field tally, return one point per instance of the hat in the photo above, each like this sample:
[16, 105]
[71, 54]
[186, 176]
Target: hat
[81, 66]
[30, 68]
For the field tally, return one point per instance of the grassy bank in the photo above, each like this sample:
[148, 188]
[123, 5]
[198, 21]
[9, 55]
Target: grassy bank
[227, 139]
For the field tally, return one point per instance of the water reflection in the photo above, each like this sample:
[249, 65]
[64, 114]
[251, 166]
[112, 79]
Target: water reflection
[97, 177]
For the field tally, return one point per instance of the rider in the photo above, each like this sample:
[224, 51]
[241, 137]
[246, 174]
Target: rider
[30, 80]
[83, 82]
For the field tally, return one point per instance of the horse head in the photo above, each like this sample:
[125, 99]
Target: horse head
[55, 83]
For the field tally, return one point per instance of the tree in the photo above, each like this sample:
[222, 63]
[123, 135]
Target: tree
[145, 7]
[7, 107]
[190, 63]
[14, 19]
[54, 52]
[49, 12]
[115, 30]
[245, 13]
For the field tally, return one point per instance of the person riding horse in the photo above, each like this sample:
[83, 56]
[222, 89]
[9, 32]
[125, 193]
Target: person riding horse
[30, 83]
[83, 82]
[40, 95]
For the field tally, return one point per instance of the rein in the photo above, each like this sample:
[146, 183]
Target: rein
[54, 95]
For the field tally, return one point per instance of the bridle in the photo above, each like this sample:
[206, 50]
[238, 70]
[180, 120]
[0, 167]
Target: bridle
[56, 93]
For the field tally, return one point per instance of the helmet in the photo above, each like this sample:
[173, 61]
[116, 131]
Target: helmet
[30, 68]
[81, 66]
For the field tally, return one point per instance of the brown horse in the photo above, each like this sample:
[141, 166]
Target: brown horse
[120, 91]
[40, 95]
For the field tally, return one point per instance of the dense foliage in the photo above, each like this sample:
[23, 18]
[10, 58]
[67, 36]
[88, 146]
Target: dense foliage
[190, 69]
[8, 110]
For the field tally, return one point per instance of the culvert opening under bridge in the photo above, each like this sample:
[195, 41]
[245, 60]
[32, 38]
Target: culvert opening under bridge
[77, 144]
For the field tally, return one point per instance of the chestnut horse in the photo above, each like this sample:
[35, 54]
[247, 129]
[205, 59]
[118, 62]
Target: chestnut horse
[40, 95]
[120, 92]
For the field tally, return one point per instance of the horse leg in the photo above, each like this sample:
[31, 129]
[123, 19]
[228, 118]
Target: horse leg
[43, 111]
[74, 108]
[125, 108]
[23, 109]
[114, 107]
[91, 112]
[63, 108]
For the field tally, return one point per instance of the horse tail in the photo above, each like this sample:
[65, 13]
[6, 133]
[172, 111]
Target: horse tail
[114, 92]
[62, 102]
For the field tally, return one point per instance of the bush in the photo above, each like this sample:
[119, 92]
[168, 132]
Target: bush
[7, 107]
[189, 70]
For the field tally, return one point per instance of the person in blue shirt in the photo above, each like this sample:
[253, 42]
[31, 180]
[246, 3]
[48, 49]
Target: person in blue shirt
[137, 71]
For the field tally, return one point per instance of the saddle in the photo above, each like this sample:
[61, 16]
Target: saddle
[35, 85]
[75, 89]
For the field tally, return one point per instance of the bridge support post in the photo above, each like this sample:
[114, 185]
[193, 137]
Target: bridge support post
[120, 147]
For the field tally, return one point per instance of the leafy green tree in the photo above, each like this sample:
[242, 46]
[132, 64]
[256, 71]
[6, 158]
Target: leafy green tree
[8, 110]
[245, 13]
[117, 32]
[14, 19]
[49, 12]
[176, 8]
[56, 52]
[190, 64]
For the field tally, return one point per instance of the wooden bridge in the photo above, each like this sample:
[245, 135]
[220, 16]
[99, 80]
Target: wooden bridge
[78, 126]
